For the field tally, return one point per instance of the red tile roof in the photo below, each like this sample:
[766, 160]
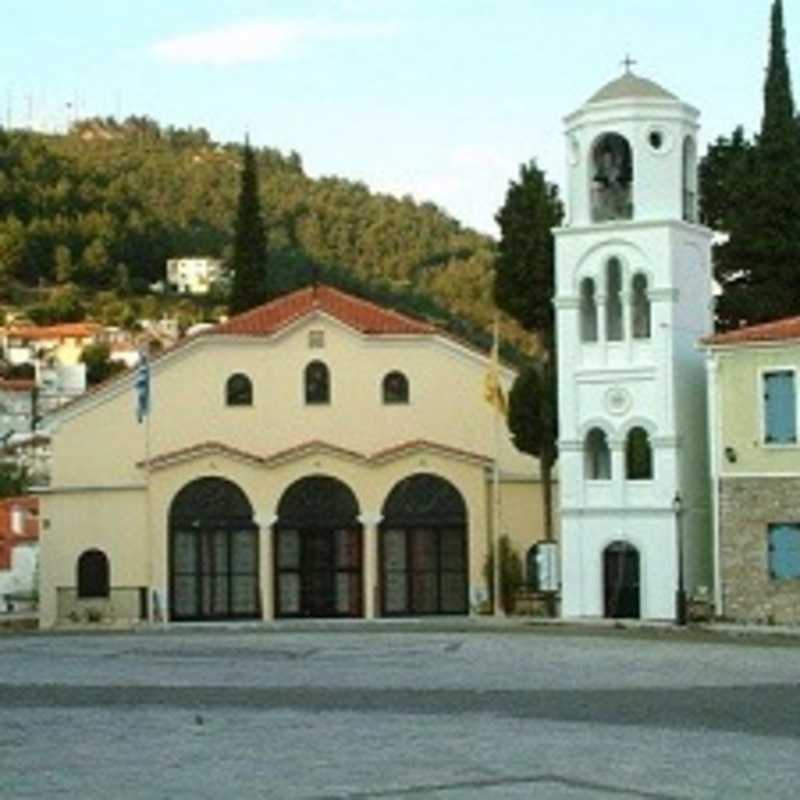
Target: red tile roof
[67, 330]
[776, 331]
[434, 447]
[198, 451]
[312, 446]
[362, 315]
[16, 385]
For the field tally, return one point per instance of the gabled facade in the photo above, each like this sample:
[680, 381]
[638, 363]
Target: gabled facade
[753, 384]
[633, 283]
[317, 456]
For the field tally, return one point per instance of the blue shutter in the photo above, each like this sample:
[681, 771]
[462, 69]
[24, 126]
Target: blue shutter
[779, 408]
[784, 551]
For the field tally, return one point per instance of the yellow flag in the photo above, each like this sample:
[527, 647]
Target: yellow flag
[492, 390]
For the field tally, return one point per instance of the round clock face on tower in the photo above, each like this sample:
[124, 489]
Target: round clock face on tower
[618, 400]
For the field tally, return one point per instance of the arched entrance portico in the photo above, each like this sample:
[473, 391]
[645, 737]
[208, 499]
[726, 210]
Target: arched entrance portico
[621, 581]
[423, 548]
[318, 550]
[213, 553]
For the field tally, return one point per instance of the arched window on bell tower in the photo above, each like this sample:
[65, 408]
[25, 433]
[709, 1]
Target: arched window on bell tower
[612, 179]
[588, 311]
[596, 456]
[640, 307]
[614, 300]
[689, 180]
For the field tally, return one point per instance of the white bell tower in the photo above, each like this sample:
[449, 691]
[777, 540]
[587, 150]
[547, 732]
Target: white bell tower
[633, 296]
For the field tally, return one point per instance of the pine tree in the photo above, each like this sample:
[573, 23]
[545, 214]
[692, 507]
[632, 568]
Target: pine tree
[524, 286]
[249, 262]
[758, 267]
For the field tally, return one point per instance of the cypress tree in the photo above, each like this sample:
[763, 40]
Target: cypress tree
[778, 123]
[758, 267]
[524, 280]
[524, 285]
[249, 262]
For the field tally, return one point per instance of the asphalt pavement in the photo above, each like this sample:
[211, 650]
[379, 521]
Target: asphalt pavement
[343, 713]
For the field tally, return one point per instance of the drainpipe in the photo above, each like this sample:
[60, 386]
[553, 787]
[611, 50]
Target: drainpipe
[712, 382]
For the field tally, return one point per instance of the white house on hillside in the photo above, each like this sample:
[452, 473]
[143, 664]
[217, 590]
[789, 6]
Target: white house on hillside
[193, 275]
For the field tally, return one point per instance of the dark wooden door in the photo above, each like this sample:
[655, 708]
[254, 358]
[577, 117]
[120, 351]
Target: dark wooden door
[621, 581]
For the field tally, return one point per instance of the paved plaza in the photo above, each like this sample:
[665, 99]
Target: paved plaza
[343, 713]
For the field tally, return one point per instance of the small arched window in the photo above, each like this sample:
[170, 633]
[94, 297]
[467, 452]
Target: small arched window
[395, 388]
[689, 180]
[614, 300]
[93, 574]
[588, 311]
[317, 384]
[612, 179]
[638, 456]
[597, 456]
[640, 307]
[239, 390]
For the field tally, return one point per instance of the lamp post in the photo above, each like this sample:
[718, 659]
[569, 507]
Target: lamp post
[680, 593]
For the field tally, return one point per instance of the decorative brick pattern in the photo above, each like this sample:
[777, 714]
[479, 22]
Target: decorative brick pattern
[747, 507]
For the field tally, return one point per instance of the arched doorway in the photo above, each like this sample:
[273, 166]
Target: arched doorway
[213, 553]
[318, 561]
[621, 581]
[423, 548]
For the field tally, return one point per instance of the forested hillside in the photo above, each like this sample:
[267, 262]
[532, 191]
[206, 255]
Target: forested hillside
[104, 206]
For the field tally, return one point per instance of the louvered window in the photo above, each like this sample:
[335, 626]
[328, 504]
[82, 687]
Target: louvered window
[780, 408]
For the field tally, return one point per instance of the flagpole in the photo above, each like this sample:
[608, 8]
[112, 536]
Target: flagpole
[496, 510]
[142, 384]
[149, 526]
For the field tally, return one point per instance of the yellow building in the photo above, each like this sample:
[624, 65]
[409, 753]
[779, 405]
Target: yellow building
[318, 456]
[755, 469]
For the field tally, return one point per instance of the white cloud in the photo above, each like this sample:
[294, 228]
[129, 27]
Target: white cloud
[259, 40]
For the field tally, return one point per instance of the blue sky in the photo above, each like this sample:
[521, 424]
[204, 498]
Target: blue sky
[441, 99]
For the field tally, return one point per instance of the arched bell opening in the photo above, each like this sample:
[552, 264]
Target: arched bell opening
[612, 179]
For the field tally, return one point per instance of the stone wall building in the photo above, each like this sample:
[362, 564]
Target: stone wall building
[755, 466]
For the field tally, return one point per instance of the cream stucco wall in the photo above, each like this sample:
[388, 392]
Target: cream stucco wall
[740, 410]
[111, 521]
[446, 406]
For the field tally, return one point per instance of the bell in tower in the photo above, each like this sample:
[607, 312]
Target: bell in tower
[612, 183]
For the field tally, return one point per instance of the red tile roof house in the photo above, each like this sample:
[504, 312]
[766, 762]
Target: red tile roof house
[19, 552]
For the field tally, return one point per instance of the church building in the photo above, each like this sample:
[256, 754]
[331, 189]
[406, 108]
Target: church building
[317, 456]
[633, 278]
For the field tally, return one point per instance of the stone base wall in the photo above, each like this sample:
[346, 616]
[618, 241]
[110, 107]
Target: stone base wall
[747, 507]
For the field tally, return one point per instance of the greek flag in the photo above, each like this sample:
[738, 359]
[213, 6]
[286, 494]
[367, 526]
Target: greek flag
[142, 386]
